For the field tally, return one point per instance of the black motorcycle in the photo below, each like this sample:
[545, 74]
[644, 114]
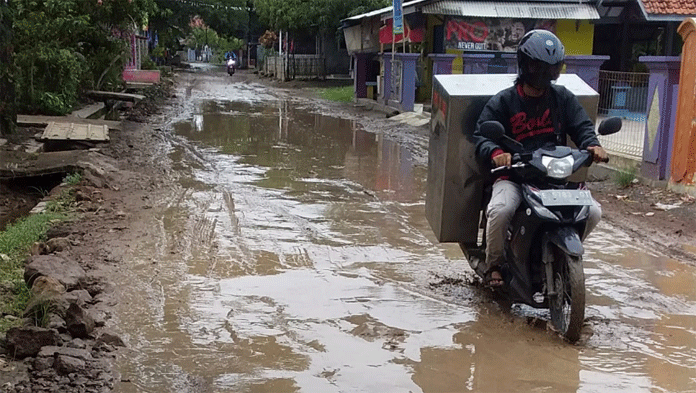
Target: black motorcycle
[543, 247]
[231, 63]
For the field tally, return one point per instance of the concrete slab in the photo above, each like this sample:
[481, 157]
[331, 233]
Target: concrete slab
[33, 146]
[76, 132]
[42, 121]
[24, 165]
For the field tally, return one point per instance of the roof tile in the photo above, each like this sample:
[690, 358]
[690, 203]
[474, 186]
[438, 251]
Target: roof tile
[670, 7]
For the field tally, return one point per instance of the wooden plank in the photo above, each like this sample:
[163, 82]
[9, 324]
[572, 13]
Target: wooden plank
[42, 121]
[112, 95]
[76, 132]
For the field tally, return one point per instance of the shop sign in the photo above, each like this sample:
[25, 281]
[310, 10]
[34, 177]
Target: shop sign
[490, 34]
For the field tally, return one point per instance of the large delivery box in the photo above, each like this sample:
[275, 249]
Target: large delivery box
[455, 182]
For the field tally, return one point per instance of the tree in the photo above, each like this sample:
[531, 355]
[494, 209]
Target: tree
[8, 111]
[311, 16]
[228, 18]
[64, 46]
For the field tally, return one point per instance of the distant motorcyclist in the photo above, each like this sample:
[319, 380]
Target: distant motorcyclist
[230, 55]
[535, 113]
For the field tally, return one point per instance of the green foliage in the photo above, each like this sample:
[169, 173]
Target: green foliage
[172, 19]
[15, 243]
[311, 16]
[625, 178]
[73, 179]
[341, 94]
[64, 46]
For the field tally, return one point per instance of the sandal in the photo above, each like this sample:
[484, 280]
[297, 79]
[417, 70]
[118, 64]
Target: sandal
[493, 278]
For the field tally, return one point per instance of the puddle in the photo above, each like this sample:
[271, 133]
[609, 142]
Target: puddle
[297, 257]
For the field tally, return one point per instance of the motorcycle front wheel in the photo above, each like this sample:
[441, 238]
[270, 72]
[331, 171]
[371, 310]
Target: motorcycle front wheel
[567, 307]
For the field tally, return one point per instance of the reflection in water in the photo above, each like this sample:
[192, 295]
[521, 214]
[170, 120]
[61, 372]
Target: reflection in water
[307, 269]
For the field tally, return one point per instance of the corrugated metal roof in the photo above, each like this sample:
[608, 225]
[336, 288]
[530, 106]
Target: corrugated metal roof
[383, 10]
[518, 9]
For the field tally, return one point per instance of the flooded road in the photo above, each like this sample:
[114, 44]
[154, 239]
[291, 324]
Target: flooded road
[293, 255]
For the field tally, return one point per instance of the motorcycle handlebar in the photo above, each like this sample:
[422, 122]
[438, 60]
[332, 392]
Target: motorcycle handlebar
[517, 162]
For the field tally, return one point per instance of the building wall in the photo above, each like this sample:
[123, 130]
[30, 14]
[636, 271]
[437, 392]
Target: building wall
[576, 36]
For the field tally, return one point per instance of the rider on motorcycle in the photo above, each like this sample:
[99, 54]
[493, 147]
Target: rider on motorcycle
[535, 113]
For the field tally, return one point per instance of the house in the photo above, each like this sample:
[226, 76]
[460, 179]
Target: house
[481, 37]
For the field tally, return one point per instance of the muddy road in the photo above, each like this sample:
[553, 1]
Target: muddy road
[290, 253]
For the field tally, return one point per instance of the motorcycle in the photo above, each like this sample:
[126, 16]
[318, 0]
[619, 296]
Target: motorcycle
[231, 66]
[543, 247]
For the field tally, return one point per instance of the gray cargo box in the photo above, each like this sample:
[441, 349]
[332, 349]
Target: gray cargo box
[455, 182]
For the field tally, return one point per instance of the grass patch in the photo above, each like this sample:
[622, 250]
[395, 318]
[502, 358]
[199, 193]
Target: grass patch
[73, 179]
[15, 245]
[340, 94]
[624, 178]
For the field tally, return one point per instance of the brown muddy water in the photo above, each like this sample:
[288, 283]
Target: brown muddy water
[293, 255]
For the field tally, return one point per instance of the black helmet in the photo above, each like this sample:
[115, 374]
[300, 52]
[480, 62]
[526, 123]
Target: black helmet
[540, 57]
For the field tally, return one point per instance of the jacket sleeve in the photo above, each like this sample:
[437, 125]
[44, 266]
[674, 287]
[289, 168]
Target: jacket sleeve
[578, 125]
[493, 110]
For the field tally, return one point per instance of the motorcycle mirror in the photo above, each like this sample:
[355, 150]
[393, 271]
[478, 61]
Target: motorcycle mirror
[492, 130]
[609, 126]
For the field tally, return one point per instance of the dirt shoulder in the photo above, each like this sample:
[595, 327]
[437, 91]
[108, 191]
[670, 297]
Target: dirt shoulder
[131, 168]
[662, 220]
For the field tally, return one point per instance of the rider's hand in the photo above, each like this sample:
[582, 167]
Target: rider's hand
[504, 159]
[599, 154]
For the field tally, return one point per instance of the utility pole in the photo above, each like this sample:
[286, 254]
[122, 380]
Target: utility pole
[8, 108]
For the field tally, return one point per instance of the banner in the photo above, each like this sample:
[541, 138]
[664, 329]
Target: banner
[414, 30]
[398, 16]
[489, 34]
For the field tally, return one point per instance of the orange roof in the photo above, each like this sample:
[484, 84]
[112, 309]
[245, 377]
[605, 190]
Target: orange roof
[670, 7]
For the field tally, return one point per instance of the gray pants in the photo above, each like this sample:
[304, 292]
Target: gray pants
[505, 200]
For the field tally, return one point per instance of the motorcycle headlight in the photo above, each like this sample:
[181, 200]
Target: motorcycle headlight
[558, 168]
[230, 62]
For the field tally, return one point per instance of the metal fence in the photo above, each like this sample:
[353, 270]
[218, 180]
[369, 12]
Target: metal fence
[624, 94]
[306, 66]
[295, 67]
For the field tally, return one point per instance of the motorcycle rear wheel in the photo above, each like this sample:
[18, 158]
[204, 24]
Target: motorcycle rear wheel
[567, 308]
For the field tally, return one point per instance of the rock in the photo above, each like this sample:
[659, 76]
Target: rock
[100, 316]
[58, 244]
[80, 323]
[57, 323]
[48, 287]
[110, 338]
[98, 170]
[43, 363]
[104, 347]
[38, 248]
[76, 343]
[81, 297]
[54, 351]
[67, 271]
[47, 298]
[81, 195]
[57, 231]
[68, 364]
[94, 283]
[28, 341]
